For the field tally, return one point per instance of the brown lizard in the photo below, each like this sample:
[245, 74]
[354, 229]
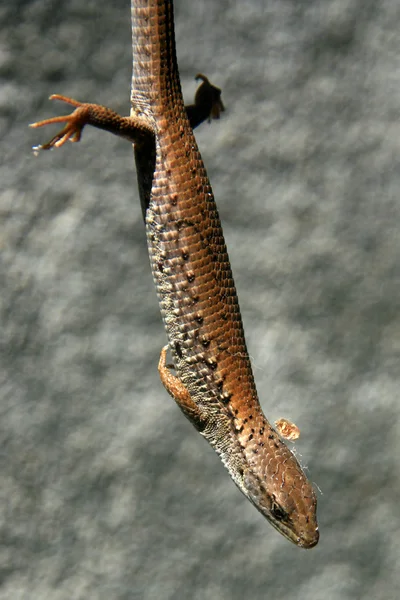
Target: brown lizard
[213, 381]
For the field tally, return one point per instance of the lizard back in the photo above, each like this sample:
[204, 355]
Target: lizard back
[196, 291]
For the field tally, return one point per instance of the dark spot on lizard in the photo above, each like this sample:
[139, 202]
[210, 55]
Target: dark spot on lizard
[160, 267]
[212, 364]
[199, 319]
[255, 451]
[191, 277]
[226, 397]
[250, 437]
[262, 431]
[200, 423]
[185, 255]
[195, 299]
[178, 349]
[270, 437]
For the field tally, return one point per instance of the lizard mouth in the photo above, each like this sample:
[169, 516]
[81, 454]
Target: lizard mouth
[305, 540]
[309, 542]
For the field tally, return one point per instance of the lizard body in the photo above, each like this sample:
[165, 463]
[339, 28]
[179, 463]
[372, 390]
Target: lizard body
[213, 381]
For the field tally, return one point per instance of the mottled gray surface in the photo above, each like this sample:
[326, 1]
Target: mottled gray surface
[106, 490]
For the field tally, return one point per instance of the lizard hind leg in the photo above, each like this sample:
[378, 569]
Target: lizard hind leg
[207, 105]
[134, 129]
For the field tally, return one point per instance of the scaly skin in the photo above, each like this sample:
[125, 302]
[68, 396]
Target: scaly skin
[213, 382]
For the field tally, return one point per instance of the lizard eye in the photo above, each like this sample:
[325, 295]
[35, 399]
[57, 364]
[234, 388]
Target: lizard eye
[277, 512]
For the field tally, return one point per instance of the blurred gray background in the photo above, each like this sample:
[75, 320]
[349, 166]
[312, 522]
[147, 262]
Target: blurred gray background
[106, 490]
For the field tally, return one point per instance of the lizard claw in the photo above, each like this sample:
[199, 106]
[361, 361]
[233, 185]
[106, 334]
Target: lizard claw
[208, 92]
[73, 128]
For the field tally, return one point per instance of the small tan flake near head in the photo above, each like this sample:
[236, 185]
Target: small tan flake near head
[287, 430]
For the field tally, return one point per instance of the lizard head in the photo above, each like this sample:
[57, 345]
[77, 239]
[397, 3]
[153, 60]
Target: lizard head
[288, 502]
[269, 475]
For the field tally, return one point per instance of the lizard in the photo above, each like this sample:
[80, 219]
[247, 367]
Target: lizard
[211, 377]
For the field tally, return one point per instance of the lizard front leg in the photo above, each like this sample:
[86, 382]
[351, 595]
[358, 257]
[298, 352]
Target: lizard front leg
[179, 392]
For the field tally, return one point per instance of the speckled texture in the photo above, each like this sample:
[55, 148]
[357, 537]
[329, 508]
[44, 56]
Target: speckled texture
[304, 167]
[198, 299]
